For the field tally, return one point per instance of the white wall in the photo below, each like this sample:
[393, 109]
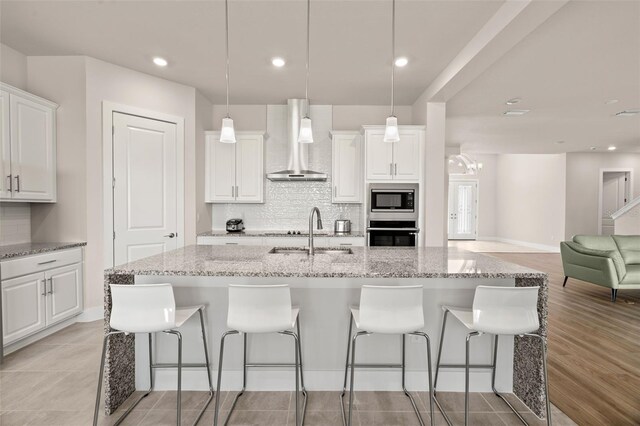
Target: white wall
[487, 181]
[204, 121]
[583, 174]
[62, 80]
[108, 82]
[13, 67]
[629, 223]
[530, 198]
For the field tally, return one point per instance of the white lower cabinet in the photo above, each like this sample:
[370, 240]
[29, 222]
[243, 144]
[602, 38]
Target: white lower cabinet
[23, 307]
[346, 242]
[33, 301]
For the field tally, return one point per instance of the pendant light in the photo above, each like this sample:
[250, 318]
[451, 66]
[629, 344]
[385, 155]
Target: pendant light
[391, 133]
[227, 133]
[306, 133]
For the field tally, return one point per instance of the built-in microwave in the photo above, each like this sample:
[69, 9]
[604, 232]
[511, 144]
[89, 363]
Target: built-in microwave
[393, 201]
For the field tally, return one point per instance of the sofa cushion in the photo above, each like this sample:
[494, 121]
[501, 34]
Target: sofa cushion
[632, 276]
[629, 247]
[596, 242]
[614, 255]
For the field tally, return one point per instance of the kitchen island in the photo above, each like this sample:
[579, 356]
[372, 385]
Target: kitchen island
[324, 286]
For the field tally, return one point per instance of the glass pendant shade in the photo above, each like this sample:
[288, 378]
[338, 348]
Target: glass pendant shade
[391, 133]
[306, 135]
[227, 134]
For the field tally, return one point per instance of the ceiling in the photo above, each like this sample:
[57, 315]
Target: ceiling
[350, 43]
[584, 55]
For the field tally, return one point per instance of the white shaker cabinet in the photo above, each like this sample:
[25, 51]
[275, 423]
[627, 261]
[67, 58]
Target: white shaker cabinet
[28, 147]
[23, 306]
[393, 161]
[234, 173]
[40, 291]
[346, 167]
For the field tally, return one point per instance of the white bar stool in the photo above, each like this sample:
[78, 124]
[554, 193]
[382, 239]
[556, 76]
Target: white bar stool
[507, 311]
[387, 310]
[262, 309]
[151, 308]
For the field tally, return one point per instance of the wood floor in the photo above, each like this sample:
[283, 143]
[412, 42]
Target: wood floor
[594, 346]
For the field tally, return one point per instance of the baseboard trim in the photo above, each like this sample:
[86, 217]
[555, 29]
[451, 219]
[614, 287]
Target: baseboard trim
[550, 249]
[91, 314]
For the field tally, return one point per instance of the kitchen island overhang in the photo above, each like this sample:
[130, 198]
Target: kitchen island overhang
[324, 286]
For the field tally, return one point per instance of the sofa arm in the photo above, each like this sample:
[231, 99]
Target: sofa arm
[605, 268]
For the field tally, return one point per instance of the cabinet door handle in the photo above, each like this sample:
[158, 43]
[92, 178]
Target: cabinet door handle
[48, 261]
[237, 191]
[335, 191]
[17, 183]
[395, 169]
[391, 168]
[233, 191]
[44, 287]
[50, 286]
[230, 244]
[10, 183]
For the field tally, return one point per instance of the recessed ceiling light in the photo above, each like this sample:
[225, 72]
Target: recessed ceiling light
[161, 62]
[593, 148]
[612, 148]
[401, 62]
[611, 102]
[513, 101]
[628, 113]
[278, 62]
[559, 142]
[515, 112]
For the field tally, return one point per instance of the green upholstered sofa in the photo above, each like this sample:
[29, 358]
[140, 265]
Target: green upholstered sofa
[609, 261]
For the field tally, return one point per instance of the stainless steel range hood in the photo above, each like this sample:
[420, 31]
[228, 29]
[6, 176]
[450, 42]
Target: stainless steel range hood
[298, 152]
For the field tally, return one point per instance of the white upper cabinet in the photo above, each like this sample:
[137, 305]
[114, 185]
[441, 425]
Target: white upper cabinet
[347, 167]
[235, 172]
[393, 161]
[28, 151]
[5, 146]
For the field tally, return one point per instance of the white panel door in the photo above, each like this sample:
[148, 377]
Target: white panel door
[614, 190]
[145, 189]
[249, 185]
[221, 170]
[406, 156]
[5, 147]
[33, 161]
[23, 306]
[462, 210]
[64, 292]
[379, 156]
[347, 168]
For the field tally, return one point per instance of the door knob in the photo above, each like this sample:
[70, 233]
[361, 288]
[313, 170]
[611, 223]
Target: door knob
[171, 235]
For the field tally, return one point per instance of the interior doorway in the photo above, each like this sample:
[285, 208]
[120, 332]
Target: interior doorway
[615, 192]
[463, 210]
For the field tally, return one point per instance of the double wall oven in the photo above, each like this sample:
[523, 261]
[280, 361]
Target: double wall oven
[392, 215]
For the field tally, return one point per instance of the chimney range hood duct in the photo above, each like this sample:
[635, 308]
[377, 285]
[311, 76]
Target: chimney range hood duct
[298, 152]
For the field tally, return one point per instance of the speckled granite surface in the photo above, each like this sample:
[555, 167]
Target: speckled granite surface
[258, 233]
[27, 249]
[366, 262]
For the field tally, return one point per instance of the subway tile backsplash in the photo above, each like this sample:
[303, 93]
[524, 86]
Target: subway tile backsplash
[287, 204]
[15, 223]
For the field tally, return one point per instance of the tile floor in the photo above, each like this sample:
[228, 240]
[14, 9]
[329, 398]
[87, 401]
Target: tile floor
[53, 382]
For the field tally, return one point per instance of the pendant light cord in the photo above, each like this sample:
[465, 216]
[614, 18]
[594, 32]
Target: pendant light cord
[226, 14]
[393, 54]
[306, 90]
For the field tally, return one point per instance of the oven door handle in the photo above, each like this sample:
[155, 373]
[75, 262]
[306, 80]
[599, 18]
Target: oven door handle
[394, 229]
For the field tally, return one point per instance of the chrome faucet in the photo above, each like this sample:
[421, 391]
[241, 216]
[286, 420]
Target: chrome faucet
[313, 210]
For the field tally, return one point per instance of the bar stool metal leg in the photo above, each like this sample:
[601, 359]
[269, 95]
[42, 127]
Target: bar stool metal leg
[435, 380]
[493, 380]
[297, 352]
[431, 386]
[346, 369]
[466, 377]
[304, 390]
[353, 369]
[217, 408]
[208, 366]
[101, 378]
[179, 393]
[404, 389]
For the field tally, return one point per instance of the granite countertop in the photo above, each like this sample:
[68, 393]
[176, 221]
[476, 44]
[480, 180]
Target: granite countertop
[271, 233]
[28, 249]
[365, 262]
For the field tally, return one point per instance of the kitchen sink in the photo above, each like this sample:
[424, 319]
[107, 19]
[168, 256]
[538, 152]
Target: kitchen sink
[305, 250]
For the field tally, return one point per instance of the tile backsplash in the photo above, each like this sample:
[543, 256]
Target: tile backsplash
[287, 204]
[15, 223]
